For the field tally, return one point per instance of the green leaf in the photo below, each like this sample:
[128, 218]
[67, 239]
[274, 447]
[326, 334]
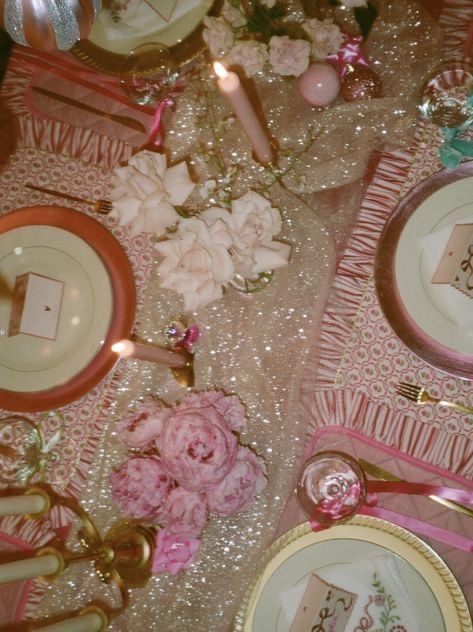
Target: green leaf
[365, 16]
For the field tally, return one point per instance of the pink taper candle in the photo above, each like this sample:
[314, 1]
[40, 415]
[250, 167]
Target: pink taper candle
[230, 85]
[151, 353]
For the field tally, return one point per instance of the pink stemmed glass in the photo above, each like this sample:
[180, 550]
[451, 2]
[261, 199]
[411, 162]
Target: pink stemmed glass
[331, 487]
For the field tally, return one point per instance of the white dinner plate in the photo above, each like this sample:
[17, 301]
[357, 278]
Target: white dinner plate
[30, 363]
[419, 311]
[115, 34]
[97, 309]
[434, 591]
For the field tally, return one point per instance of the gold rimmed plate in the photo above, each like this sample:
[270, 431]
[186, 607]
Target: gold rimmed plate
[437, 598]
[97, 306]
[115, 34]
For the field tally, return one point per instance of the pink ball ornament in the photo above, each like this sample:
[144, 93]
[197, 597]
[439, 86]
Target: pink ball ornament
[320, 84]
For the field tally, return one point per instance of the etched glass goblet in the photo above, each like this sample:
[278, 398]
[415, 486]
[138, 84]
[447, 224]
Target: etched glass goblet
[447, 96]
[331, 487]
[149, 73]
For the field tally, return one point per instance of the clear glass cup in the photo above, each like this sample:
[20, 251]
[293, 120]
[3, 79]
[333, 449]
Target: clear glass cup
[331, 487]
[447, 95]
[149, 73]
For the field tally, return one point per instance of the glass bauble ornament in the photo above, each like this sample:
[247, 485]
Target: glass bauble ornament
[48, 24]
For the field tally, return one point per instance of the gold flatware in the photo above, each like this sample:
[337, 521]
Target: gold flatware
[100, 206]
[377, 472]
[419, 395]
[127, 121]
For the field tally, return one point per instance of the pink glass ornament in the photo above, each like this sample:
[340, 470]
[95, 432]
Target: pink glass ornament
[319, 84]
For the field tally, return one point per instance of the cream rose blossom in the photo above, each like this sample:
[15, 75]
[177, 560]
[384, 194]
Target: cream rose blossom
[250, 55]
[289, 56]
[253, 223]
[145, 192]
[197, 262]
[218, 35]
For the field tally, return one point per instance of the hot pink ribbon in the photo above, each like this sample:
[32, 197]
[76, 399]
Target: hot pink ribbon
[156, 132]
[349, 53]
[429, 530]
[420, 489]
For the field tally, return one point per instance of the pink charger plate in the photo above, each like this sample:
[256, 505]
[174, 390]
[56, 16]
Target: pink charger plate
[435, 353]
[122, 284]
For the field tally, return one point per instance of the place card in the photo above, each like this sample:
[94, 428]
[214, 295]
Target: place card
[323, 607]
[36, 306]
[459, 239]
[463, 279]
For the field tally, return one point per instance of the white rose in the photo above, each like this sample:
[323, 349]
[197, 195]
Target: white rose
[253, 223]
[218, 35]
[197, 262]
[250, 55]
[144, 193]
[326, 37]
[232, 15]
[289, 56]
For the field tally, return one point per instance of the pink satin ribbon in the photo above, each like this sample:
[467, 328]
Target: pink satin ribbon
[369, 508]
[156, 132]
[424, 528]
[349, 53]
[420, 489]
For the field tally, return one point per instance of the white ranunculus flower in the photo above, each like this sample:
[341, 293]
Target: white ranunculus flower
[232, 15]
[352, 4]
[250, 55]
[325, 35]
[145, 192]
[218, 35]
[197, 262]
[253, 223]
[289, 56]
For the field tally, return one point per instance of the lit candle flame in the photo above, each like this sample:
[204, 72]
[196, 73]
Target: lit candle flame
[122, 347]
[220, 70]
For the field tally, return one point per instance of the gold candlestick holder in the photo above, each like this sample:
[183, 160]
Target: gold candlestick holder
[123, 556]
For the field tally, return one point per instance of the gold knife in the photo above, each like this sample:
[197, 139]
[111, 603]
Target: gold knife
[383, 475]
[117, 118]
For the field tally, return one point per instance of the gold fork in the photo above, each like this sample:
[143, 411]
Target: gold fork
[99, 206]
[419, 395]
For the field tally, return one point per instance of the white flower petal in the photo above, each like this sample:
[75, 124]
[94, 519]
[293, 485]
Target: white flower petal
[126, 209]
[270, 258]
[178, 183]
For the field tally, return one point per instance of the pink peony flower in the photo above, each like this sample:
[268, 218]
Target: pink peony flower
[139, 486]
[288, 56]
[185, 513]
[173, 553]
[240, 487]
[197, 446]
[139, 429]
[229, 406]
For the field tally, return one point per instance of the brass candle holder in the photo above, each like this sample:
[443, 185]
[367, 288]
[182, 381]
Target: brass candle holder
[123, 556]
